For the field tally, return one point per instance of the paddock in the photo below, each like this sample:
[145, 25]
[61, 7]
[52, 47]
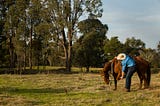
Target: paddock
[71, 89]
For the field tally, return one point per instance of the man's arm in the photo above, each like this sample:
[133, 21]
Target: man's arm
[122, 75]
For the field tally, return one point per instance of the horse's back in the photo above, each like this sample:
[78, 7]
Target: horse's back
[141, 63]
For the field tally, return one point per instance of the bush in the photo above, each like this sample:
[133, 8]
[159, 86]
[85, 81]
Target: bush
[155, 70]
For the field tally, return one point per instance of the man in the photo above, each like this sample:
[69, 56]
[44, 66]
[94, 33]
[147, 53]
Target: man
[128, 69]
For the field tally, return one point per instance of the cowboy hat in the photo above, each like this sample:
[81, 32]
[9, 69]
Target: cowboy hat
[121, 56]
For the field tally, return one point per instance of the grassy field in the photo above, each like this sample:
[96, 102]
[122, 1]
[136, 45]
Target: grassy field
[79, 89]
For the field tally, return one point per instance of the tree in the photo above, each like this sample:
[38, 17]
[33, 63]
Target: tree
[151, 56]
[112, 47]
[158, 47]
[33, 19]
[64, 16]
[9, 31]
[22, 32]
[133, 45]
[3, 49]
[20, 29]
[158, 53]
[46, 26]
[16, 31]
[41, 43]
[89, 47]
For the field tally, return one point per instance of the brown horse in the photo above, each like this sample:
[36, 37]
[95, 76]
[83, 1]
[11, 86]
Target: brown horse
[114, 67]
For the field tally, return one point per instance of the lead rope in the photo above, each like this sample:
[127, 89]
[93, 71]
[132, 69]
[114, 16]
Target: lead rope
[112, 68]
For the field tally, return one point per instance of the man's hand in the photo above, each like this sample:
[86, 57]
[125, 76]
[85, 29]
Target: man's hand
[121, 77]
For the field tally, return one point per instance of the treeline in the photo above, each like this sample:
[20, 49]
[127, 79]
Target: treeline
[50, 33]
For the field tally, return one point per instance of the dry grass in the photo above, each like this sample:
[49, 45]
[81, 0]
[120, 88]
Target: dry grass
[74, 90]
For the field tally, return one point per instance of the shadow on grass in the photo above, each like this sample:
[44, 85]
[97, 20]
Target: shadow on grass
[35, 71]
[21, 91]
[11, 100]
[151, 88]
[40, 71]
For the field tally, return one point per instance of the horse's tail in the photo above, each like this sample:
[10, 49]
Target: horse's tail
[148, 75]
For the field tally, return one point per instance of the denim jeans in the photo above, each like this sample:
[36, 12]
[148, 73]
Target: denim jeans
[129, 73]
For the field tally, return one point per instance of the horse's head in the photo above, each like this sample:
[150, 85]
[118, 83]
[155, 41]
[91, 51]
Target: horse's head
[114, 67]
[105, 72]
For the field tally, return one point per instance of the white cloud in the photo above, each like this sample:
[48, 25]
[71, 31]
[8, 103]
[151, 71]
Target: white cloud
[155, 18]
[140, 19]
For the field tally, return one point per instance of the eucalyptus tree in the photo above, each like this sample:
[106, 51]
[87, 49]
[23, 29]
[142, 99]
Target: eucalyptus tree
[133, 45]
[22, 32]
[158, 48]
[151, 56]
[64, 16]
[38, 32]
[41, 43]
[89, 47]
[15, 30]
[112, 47]
[21, 20]
[9, 30]
[2, 38]
[158, 51]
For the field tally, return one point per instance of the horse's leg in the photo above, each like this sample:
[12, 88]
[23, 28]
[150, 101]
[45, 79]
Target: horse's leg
[147, 76]
[115, 84]
[118, 76]
[140, 78]
[145, 80]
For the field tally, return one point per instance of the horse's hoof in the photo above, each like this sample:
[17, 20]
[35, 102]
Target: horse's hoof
[139, 88]
[146, 87]
[114, 89]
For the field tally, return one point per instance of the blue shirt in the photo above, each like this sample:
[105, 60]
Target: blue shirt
[127, 62]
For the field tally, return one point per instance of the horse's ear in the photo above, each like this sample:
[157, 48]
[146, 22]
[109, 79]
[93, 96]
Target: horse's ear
[115, 58]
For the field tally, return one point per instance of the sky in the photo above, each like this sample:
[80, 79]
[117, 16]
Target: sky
[133, 18]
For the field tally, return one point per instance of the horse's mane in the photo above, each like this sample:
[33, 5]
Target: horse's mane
[107, 65]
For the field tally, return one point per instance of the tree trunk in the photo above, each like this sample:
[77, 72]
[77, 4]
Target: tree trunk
[24, 57]
[24, 62]
[87, 69]
[69, 54]
[67, 60]
[11, 51]
[30, 51]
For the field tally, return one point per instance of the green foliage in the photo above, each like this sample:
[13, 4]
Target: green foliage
[151, 56]
[158, 47]
[43, 32]
[155, 70]
[133, 46]
[135, 43]
[112, 47]
[4, 53]
[89, 47]
[65, 16]
[93, 7]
